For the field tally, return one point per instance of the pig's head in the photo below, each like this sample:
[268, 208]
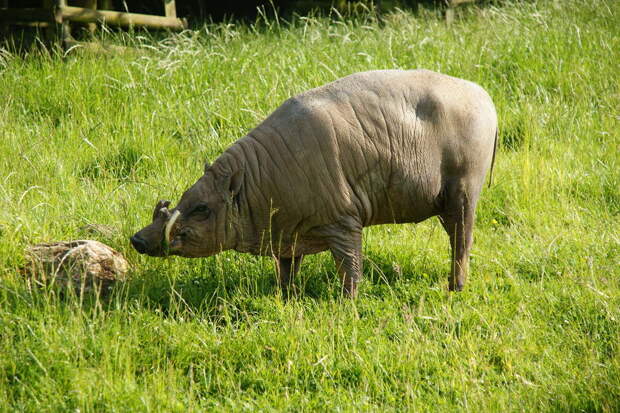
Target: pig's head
[202, 223]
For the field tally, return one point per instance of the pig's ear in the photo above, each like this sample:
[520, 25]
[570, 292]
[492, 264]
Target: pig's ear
[230, 183]
[236, 179]
[207, 166]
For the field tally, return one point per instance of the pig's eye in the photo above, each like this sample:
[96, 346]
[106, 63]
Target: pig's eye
[202, 209]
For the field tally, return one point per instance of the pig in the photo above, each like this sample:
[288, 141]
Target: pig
[377, 147]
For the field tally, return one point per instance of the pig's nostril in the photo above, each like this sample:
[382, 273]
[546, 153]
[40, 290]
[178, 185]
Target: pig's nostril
[138, 243]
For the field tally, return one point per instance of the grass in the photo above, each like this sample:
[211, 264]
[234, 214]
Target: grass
[98, 137]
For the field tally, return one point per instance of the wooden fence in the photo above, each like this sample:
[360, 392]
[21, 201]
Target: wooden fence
[57, 16]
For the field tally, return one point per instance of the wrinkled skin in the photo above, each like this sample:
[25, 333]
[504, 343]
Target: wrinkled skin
[371, 148]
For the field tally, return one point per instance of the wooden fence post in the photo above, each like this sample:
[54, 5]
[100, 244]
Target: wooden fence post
[91, 4]
[170, 8]
[65, 27]
[450, 13]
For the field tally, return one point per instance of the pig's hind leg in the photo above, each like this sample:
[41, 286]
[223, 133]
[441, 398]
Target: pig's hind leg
[457, 217]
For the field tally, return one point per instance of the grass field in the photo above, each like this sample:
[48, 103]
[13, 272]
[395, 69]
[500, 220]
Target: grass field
[99, 137]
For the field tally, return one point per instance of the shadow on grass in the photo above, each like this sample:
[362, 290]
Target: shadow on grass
[214, 288]
[227, 289]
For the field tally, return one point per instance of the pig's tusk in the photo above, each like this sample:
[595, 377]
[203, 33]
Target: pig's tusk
[169, 225]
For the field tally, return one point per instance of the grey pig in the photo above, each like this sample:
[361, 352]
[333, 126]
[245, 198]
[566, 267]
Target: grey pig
[378, 147]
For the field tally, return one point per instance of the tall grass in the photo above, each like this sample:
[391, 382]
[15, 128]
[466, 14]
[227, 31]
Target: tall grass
[98, 137]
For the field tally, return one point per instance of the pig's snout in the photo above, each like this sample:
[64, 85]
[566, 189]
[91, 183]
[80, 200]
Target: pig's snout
[138, 243]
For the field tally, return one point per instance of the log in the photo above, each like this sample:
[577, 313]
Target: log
[83, 15]
[85, 265]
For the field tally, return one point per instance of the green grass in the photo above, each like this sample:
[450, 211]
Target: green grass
[99, 137]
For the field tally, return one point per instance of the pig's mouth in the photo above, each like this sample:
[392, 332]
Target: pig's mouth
[162, 246]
